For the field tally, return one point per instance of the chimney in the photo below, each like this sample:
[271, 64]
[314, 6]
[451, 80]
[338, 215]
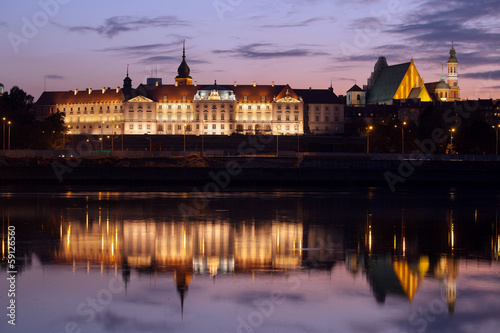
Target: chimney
[254, 84]
[195, 83]
[117, 89]
[76, 91]
[272, 83]
[235, 84]
[90, 91]
[103, 90]
[157, 83]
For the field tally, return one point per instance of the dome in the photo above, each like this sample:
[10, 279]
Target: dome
[183, 69]
[442, 85]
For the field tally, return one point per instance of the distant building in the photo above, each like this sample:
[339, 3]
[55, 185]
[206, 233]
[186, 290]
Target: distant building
[389, 83]
[446, 91]
[355, 96]
[2, 89]
[186, 108]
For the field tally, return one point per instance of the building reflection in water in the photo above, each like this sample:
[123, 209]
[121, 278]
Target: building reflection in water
[386, 254]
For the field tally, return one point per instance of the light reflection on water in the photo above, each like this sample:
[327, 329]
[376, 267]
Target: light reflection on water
[349, 261]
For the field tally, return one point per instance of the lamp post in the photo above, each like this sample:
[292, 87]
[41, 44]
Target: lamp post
[202, 141]
[3, 133]
[496, 142]
[277, 139]
[185, 125]
[368, 140]
[100, 139]
[9, 135]
[298, 136]
[451, 140]
[146, 136]
[403, 137]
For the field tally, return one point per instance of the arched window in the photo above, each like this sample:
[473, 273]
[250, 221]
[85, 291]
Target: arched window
[358, 97]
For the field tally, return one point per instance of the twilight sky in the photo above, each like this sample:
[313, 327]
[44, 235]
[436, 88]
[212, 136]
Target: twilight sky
[72, 44]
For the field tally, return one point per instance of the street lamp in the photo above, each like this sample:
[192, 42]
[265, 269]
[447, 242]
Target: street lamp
[451, 140]
[100, 139]
[403, 137]
[496, 145]
[202, 143]
[9, 134]
[298, 136]
[277, 139]
[185, 125]
[3, 133]
[368, 140]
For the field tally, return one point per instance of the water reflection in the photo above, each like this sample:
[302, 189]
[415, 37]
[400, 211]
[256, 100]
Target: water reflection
[395, 247]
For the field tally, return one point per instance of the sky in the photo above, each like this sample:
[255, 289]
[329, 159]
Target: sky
[68, 44]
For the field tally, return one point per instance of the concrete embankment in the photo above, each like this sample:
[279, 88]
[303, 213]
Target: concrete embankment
[249, 172]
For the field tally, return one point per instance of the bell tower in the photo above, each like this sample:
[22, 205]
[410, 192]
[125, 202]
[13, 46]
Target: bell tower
[453, 75]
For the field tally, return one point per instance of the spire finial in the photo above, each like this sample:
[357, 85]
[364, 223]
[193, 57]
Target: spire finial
[184, 49]
[127, 69]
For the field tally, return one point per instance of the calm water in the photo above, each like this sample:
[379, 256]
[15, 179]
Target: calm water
[350, 260]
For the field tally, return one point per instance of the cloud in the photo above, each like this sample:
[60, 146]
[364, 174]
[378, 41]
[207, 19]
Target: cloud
[54, 77]
[300, 24]
[3, 24]
[178, 59]
[491, 75]
[263, 51]
[116, 25]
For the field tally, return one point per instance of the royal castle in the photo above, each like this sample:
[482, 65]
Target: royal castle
[186, 107]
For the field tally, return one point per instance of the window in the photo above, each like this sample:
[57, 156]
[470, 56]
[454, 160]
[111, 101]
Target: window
[296, 107]
[179, 127]
[317, 118]
[148, 127]
[296, 117]
[222, 116]
[160, 128]
[205, 116]
[279, 107]
[169, 127]
[358, 97]
[327, 119]
[279, 117]
[287, 117]
[131, 126]
[214, 116]
[222, 126]
[140, 126]
[214, 126]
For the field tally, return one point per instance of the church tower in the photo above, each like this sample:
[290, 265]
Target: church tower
[453, 75]
[183, 79]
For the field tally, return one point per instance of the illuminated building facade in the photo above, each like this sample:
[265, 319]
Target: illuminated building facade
[403, 82]
[188, 108]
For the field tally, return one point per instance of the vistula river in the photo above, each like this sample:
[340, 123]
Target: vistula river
[338, 261]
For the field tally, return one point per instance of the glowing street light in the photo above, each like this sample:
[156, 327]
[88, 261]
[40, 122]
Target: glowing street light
[9, 134]
[277, 138]
[368, 140]
[3, 133]
[202, 143]
[451, 140]
[403, 137]
[298, 136]
[185, 125]
[496, 145]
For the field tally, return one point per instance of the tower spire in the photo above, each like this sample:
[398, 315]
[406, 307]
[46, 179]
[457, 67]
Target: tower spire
[184, 49]
[127, 69]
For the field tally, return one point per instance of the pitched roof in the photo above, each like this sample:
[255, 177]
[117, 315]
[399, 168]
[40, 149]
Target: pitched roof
[388, 83]
[431, 87]
[355, 88]
[318, 96]
[415, 93]
[69, 97]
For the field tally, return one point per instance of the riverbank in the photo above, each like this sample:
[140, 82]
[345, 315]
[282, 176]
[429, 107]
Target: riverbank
[250, 171]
